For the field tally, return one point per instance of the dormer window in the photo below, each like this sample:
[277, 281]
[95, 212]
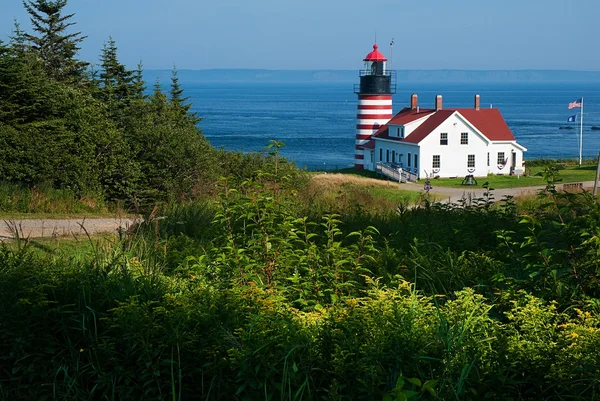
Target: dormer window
[400, 132]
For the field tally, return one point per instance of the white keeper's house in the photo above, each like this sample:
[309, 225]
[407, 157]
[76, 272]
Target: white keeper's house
[446, 142]
[428, 142]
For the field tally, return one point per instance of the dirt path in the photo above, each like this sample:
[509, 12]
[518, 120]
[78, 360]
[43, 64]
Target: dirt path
[450, 195]
[38, 228]
[443, 194]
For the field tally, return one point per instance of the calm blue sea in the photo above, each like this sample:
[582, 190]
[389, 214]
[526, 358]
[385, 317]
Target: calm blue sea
[316, 121]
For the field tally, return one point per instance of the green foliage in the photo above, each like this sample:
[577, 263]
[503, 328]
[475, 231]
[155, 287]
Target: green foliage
[257, 292]
[16, 200]
[276, 305]
[53, 44]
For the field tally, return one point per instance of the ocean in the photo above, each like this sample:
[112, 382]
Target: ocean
[316, 121]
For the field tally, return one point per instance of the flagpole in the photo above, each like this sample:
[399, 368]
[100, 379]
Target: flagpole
[581, 133]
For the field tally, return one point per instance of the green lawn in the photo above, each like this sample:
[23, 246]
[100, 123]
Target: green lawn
[569, 174]
[494, 181]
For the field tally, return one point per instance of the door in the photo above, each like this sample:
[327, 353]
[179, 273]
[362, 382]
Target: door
[513, 165]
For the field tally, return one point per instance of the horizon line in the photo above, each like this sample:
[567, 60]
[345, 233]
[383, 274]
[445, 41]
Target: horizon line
[411, 69]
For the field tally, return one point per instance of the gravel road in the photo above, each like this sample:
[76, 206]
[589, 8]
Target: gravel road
[38, 228]
[451, 195]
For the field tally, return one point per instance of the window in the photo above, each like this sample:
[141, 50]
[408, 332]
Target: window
[393, 156]
[501, 159]
[408, 161]
[444, 138]
[488, 159]
[464, 138]
[400, 159]
[470, 161]
[436, 161]
[416, 161]
[381, 154]
[387, 155]
[401, 132]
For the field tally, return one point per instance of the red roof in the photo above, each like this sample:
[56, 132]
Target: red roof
[406, 116]
[428, 126]
[488, 121]
[368, 145]
[375, 55]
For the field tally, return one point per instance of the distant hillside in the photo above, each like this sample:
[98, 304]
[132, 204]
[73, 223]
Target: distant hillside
[405, 76]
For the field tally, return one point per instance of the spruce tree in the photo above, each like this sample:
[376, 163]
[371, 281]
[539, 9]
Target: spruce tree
[18, 41]
[139, 85]
[53, 44]
[178, 102]
[116, 82]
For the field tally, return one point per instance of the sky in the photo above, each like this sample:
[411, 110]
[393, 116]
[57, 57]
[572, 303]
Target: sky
[335, 34]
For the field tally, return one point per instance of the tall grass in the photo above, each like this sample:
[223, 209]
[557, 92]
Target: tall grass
[43, 199]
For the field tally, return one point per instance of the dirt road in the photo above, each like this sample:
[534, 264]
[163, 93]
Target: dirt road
[38, 228]
[450, 195]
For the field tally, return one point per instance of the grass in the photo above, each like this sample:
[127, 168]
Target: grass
[45, 202]
[572, 173]
[341, 182]
[567, 175]
[342, 192]
[7, 215]
[72, 247]
[494, 181]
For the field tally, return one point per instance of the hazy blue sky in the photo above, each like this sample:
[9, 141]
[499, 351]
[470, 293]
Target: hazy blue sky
[337, 34]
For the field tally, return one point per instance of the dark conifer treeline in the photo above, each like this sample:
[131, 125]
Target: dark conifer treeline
[68, 124]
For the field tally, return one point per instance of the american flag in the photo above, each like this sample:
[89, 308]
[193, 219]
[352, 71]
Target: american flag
[576, 104]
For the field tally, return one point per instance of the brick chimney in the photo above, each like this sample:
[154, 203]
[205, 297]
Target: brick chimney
[414, 101]
[438, 102]
[477, 102]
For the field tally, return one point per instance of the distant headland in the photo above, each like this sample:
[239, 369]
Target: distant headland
[406, 76]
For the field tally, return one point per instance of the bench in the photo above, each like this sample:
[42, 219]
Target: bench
[576, 186]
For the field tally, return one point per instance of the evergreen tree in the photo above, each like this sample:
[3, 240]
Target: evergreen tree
[53, 44]
[116, 82]
[18, 41]
[178, 102]
[158, 99]
[139, 85]
[172, 155]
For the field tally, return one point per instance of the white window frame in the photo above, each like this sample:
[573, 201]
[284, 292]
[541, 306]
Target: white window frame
[442, 139]
[470, 161]
[501, 160]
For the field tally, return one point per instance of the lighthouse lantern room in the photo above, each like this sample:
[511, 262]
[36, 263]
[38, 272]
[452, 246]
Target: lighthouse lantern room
[377, 84]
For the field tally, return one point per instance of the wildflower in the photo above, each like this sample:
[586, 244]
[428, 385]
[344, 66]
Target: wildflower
[574, 335]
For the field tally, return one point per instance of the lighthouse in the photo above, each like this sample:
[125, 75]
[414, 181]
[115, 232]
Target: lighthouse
[377, 84]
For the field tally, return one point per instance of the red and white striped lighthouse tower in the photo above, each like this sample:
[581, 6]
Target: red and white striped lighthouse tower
[374, 101]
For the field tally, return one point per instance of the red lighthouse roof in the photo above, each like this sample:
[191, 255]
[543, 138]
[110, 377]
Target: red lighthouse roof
[375, 55]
